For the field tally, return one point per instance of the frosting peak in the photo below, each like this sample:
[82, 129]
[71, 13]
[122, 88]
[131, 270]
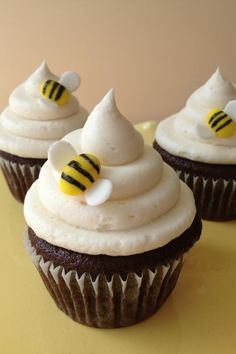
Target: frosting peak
[108, 102]
[215, 93]
[218, 85]
[110, 136]
[188, 133]
[30, 124]
[216, 79]
[40, 74]
[25, 101]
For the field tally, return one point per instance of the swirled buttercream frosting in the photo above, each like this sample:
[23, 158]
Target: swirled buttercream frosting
[30, 124]
[147, 208]
[179, 134]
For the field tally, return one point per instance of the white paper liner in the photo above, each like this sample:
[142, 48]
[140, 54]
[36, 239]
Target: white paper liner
[19, 177]
[216, 198]
[107, 304]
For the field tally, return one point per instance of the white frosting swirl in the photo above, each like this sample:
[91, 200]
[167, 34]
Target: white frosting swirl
[125, 146]
[148, 207]
[178, 134]
[28, 126]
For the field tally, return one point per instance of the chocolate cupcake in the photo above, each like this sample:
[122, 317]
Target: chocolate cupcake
[199, 142]
[109, 223]
[41, 111]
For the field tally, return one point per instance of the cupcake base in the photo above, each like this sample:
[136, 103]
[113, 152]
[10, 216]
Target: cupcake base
[213, 185]
[19, 173]
[108, 292]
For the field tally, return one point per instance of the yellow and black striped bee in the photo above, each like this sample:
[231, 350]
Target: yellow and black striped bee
[55, 92]
[221, 123]
[59, 92]
[79, 174]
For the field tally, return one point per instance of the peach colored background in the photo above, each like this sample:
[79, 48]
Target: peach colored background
[154, 53]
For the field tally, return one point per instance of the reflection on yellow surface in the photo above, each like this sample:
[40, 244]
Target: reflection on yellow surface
[199, 316]
[147, 129]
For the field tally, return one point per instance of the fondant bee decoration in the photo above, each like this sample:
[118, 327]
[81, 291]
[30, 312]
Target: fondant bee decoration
[79, 174]
[220, 123]
[59, 92]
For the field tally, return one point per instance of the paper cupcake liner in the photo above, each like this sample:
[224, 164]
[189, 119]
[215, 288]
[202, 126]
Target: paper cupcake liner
[108, 304]
[19, 177]
[216, 199]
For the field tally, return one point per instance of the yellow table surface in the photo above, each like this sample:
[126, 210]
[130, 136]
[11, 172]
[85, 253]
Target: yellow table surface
[199, 316]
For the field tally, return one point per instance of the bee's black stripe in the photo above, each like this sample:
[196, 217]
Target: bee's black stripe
[216, 121]
[60, 92]
[86, 157]
[75, 164]
[73, 181]
[55, 85]
[214, 116]
[224, 125]
[46, 85]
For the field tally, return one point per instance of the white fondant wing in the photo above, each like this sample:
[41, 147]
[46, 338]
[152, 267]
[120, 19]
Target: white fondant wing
[59, 154]
[230, 109]
[99, 192]
[71, 80]
[204, 132]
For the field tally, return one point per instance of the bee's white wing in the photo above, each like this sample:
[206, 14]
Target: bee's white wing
[71, 80]
[59, 154]
[99, 192]
[204, 132]
[230, 109]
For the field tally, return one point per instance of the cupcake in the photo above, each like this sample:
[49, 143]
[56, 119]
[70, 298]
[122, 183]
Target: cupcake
[109, 223]
[199, 142]
[41, 111]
